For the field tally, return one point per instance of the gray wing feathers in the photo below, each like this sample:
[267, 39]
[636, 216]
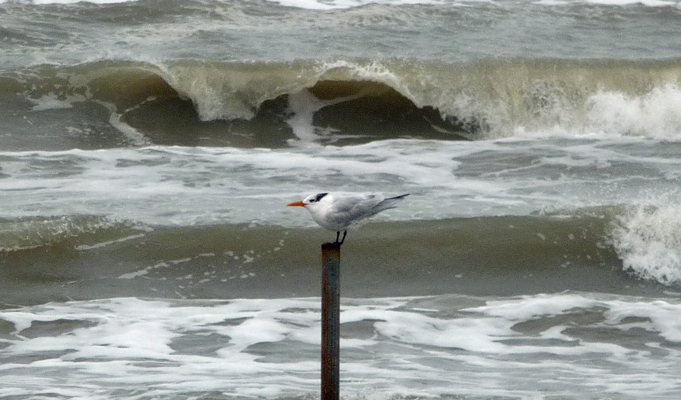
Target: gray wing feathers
[346, 213]
[387, 204]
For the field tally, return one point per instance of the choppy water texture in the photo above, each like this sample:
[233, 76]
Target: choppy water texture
[148, 150]
[572, 345]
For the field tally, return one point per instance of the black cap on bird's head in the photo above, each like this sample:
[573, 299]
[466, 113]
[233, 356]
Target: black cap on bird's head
[313, 198]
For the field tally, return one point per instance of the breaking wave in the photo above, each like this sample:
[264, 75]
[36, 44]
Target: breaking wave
[648, 240]
[279, 103]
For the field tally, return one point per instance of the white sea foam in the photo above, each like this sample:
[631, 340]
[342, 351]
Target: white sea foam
[430, 347]
[343, 4]
[177, 185]
[616, 3]
[656, 114]
[335, 4]
[649, 3]
[135, 137]
[303, 105]
[648, 240]
[52, 101]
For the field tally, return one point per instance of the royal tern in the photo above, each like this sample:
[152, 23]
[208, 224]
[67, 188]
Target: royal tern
[342, 211]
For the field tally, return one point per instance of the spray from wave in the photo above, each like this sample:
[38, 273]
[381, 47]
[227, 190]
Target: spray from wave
[648, 241]
[656, 114]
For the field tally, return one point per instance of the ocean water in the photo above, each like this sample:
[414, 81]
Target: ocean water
[148, 149]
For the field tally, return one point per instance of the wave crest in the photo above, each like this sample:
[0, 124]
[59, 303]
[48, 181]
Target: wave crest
[275, 104]
[648, 240]
[482, 100]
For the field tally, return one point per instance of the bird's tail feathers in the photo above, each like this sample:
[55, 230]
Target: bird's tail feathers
[387, 203]
[400, 197]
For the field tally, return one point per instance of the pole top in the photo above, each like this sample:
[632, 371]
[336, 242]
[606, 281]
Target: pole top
[334, 246]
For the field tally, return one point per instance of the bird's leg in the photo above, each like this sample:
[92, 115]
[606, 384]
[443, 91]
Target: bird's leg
[345, 233]
[337, 236]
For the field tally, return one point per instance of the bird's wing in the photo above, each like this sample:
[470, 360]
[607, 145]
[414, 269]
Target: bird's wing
[350, 208]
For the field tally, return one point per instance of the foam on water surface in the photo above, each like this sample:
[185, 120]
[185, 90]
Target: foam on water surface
[325, 5]
[166, 186]
[178, 185]
[648, 239]
[343, 4]
[423, 347]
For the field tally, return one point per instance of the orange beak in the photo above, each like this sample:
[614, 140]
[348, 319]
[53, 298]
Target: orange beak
[296, 204]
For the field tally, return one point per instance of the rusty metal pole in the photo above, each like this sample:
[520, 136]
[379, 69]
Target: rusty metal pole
[330, 321]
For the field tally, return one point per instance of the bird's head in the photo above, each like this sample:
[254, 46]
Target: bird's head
[309, 200]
